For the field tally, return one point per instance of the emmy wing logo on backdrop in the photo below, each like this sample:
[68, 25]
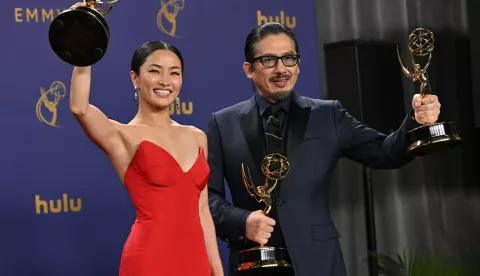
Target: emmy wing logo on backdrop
[167, 16]
[289, 21]
[46, 108]
[35, 15]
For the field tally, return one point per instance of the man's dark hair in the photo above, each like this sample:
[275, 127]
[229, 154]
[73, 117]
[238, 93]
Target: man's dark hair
[260, 32]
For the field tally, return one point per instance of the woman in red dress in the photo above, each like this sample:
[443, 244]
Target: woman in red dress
[161, 163]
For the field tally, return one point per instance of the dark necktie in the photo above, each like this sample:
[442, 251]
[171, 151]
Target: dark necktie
[275, 144]
[273, 133]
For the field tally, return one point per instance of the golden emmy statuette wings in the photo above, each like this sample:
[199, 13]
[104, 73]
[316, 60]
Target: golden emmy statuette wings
[429, 138]
[274, 167]
[80, 34]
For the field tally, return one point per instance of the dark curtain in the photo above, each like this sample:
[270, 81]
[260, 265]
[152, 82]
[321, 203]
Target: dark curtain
[432, 204]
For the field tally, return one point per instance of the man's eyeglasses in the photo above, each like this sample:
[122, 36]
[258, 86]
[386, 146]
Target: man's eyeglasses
[271, 61]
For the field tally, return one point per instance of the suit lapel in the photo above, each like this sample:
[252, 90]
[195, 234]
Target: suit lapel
[252, 129]
[297, 122]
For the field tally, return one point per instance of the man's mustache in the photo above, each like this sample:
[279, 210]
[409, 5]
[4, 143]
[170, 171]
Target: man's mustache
[279, 76]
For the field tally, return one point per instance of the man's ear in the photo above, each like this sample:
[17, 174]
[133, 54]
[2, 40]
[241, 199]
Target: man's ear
[298, 66]
[248, 68]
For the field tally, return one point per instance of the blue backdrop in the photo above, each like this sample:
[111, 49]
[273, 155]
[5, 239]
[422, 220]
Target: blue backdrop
[63, 210]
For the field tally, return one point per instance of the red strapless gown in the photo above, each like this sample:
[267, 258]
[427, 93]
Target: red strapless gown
[167, 237]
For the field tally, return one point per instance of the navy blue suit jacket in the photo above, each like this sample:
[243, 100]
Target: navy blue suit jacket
[320, 132]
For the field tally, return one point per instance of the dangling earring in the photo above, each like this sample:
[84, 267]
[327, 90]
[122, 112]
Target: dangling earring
[136, 96]
[177, 103]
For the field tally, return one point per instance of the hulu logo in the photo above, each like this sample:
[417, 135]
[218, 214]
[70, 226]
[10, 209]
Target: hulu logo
[183, 109]
[289, 21]
[62, 205]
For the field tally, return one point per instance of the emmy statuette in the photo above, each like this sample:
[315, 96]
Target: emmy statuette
[79, 35]
[428, 138]
[275, 167]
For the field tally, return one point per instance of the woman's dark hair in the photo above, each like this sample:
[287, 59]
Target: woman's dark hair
[260, 32]
[147, 49]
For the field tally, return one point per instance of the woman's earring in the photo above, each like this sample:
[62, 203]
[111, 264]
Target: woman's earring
[136, 96]
[177, 103]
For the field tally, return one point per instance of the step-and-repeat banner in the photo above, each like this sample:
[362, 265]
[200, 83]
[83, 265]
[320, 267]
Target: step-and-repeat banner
[63, 210]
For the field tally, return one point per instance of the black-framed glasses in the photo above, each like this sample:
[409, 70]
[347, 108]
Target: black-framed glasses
[269, 61]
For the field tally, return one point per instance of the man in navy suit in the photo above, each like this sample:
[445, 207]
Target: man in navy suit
[315, 134]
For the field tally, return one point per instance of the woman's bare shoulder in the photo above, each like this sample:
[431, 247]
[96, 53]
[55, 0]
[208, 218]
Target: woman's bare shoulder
[197, 133]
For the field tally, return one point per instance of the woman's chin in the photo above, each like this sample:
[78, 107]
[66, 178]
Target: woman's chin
[159, 105]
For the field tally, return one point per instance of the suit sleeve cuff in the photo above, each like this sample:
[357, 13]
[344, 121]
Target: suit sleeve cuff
[411, 123]
[243, 223]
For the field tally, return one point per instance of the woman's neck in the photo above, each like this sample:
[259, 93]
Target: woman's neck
[153, 117]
